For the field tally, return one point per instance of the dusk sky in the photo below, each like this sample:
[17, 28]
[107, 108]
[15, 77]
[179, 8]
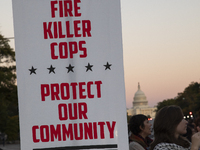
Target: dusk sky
[161, 45]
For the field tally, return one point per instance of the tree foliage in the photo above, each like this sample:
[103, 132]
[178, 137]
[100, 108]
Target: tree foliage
[189, 100]
[166, 103]
[8, 90]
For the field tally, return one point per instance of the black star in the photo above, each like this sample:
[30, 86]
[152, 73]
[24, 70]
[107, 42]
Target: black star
[107, 66]
[32, 70]
[89, 67]
[70, 68]
[51, 69]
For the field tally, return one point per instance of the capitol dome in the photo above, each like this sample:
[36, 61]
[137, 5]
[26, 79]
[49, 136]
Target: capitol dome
[140, 98]
[140, 105]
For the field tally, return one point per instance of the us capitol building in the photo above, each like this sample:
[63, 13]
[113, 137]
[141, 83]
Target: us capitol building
[140, 105]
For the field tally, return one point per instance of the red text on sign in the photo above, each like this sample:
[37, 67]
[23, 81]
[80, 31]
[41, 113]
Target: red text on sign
[79, 28]
[76, 131]
[72, 111]
[65, 8]
[66, 91]
[64, 50]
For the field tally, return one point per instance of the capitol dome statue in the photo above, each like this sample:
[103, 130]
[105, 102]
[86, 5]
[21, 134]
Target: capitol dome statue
[140, 105]
[140, 98]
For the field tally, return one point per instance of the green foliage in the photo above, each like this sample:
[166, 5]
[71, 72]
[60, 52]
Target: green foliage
[128, 118]
[148, 116]
[12, 128]
[166, 103]
[189, 100]
[8, 91]
[7, 55]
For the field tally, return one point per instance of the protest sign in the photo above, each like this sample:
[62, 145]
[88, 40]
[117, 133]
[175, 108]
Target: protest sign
[70, 74]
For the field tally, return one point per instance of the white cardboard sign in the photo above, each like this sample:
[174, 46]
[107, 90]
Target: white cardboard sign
[70, 74]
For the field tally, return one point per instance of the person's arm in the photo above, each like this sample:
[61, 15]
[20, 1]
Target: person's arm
[196, 140]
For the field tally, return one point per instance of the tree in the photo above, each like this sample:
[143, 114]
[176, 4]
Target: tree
[128, 118]
[166, 103]
[148, 116]
[189, 100]
[8, 91]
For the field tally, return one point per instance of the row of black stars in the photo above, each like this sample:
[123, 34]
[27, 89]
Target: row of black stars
[70, 68]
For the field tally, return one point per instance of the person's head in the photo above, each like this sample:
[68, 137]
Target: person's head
[139, 125]
[169, 125]
[169, 120]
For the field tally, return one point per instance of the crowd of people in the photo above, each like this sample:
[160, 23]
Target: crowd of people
[171, 131]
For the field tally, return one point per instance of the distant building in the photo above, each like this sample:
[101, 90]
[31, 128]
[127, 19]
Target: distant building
[140, 105]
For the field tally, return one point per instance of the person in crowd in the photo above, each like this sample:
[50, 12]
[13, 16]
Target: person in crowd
[190, 131]
[169, 126]
[140, 128]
